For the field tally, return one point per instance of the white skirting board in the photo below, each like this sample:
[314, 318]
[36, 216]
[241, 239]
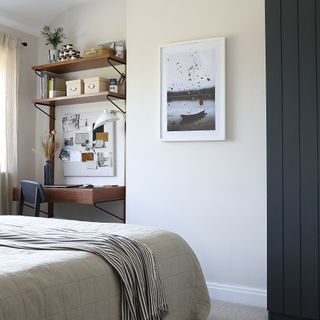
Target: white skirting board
[236, 294]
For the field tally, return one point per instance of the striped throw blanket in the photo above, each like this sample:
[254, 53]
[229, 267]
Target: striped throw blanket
[142, 294]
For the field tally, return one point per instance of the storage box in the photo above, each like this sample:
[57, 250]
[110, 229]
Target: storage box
[74, 87]
[95, 84]
[99, 50]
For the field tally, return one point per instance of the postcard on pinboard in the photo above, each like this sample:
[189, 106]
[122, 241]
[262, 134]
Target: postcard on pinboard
[70, 122]
[87, 156]
[75, 156]
[82, 137]
[102, 136]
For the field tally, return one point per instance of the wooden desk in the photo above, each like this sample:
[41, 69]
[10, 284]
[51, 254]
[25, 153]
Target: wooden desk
[92, 196]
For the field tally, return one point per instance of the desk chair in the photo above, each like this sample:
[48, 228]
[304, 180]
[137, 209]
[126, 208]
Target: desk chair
[31, 192]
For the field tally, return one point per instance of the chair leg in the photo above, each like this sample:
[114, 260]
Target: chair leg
[37, 203]
[20, 204]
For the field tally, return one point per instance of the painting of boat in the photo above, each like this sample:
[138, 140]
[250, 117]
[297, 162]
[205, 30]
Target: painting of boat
[193, 117]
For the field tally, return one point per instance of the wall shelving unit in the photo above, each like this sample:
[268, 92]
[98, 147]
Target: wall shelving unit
[87, 63]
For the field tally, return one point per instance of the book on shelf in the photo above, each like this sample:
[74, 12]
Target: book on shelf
[44, 79]
[57, 87]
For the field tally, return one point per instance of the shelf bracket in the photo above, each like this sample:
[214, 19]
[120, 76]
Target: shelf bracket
[38, 73]
[106, 211]
[109, 99]
[36, 106]
[123, 75]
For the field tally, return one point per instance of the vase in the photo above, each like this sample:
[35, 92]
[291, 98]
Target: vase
[53, 55]
[48, 173]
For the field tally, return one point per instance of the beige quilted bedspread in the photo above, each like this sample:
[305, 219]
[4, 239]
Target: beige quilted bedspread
[73, 285]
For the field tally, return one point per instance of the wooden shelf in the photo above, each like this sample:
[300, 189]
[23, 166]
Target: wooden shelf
[83, 98]
[99, 61]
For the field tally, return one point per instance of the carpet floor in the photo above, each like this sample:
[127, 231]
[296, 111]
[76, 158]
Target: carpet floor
[230, 311]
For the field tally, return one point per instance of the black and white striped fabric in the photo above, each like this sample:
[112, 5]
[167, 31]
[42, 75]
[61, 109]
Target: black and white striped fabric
[142, 293]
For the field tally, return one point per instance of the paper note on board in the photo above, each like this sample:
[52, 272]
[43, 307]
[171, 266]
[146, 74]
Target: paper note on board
[87, 156]
[70, 122]
[93, 165]
[102, 136]
[75, 156]
[82, 137]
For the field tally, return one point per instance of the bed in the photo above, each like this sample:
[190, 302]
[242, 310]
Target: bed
[70, 285]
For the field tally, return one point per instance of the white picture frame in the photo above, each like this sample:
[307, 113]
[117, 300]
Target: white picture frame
[193, 90]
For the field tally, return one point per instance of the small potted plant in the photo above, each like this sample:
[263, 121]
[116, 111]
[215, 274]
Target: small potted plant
[53, 38]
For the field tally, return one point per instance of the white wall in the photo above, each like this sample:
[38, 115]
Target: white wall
[211, 193]
[85, 26]
[26, 111]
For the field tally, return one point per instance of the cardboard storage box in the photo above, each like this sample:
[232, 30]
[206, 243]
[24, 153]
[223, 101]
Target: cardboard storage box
[74, 87]
[95, 84]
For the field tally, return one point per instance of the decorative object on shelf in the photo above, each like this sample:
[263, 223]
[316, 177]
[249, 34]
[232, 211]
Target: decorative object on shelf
[48, 173]
[119, 47]
[49, 146]
[68, 52]
[122, 85]
[99, 50]
[113, 85]
[193, 90]
[53, 38]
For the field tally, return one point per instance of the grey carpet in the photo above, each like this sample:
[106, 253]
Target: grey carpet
[230, 311]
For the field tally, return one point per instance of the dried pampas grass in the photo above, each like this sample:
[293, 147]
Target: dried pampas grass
[49, 146]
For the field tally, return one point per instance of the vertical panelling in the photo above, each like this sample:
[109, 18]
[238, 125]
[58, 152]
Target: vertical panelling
[293, 199]
[317, 13]
[309, 160]
[274, 156]
[291, 156]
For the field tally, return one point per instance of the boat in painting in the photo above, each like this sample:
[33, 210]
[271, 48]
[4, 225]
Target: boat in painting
[193, 117]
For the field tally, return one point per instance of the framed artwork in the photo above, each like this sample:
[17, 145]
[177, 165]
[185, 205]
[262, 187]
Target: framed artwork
[193, 90]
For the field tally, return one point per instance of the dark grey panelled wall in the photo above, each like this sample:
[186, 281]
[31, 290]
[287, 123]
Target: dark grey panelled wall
[293, 147]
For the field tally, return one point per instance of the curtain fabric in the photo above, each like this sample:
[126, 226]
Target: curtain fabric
[9, 62]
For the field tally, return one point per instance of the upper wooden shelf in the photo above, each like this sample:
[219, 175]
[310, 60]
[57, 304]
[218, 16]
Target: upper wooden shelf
[82, 98]
[93, 62]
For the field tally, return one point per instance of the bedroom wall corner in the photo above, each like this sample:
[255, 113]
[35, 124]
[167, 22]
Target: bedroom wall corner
[211, 193]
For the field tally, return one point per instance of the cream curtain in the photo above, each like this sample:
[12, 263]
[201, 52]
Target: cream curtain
[9, 56]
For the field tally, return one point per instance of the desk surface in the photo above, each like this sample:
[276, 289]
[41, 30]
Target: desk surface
[80, 196]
